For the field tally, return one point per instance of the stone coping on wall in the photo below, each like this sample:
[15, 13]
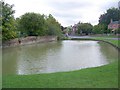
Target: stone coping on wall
[28, 40]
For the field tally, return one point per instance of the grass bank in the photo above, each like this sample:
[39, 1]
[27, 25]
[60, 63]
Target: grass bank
[98, 77]
[110, 40]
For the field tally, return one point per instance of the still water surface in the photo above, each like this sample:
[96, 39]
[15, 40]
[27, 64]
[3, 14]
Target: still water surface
[57, 57]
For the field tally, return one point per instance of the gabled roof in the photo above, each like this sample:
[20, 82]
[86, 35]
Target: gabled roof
[114, 22]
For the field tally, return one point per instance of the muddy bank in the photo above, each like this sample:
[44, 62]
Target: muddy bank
[28, 40]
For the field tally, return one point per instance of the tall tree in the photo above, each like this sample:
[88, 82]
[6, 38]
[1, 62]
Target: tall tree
[85, 28]
[100, 29]
[32, 24]
[112, 13]
[8, 22]
[54, 28]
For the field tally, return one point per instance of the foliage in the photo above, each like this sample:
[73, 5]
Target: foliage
[112, 13]
[85, 28]
[8, 22]
[100, 29]
[67, 30]
[29, 24]
[53, 27]
[32, 24]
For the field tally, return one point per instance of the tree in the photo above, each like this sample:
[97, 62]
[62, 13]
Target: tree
[104, 20]
[32, 24]
[8, 21]
[112, 13]
[85, 28]
[53, 27]
[99, 29]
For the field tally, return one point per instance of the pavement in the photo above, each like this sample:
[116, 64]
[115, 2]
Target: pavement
[92, 37]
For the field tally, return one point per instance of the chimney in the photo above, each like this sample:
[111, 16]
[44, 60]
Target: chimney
[111, 21]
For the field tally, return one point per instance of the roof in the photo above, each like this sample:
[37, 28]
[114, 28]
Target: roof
[114, 22]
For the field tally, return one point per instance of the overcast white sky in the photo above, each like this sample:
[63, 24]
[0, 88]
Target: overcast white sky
[67, 12]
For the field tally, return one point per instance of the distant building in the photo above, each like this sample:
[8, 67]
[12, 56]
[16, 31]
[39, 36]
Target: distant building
[114, 25]
[74, 29]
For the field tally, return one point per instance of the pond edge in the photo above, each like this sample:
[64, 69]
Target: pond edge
[28, 40]
[97, 40]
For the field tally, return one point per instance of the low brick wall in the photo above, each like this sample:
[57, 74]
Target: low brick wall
[28, 40]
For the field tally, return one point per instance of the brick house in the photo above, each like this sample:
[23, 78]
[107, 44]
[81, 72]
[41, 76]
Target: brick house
[114, 25]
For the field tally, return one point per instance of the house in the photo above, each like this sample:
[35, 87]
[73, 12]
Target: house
[114, 25]
[74, 29]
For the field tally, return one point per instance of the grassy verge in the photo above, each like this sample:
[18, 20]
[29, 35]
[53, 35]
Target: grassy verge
[115, 42]
[104, 38]
[0, 81]
[98, 77]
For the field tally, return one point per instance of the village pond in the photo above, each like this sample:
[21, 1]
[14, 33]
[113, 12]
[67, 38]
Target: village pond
[57, 56]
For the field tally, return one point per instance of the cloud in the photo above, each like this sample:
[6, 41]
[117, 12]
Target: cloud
[66, 15]
[67, 12]
[108, 4]
[72, 11]
[68, 5]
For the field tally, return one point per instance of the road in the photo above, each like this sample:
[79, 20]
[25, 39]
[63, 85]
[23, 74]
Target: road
[92, 37]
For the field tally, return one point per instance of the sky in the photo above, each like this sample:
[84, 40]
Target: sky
[66, 12]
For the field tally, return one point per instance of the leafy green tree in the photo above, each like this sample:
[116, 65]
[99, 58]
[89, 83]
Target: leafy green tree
[8, 21]
[53, 27]
[69, 29]
[17, 27]
[104, 20]
[32, 24]
[100, 29]
[85, 28]
[112, 13]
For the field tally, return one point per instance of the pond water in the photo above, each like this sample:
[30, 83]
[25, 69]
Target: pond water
[58, 56]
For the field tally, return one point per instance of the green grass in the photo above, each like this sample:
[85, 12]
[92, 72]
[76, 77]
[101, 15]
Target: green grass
[115, 42]
[0, 81]
[99, 77]
[104, 38]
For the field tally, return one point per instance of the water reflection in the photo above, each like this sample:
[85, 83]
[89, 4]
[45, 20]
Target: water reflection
[56, 57]
[109, 51]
